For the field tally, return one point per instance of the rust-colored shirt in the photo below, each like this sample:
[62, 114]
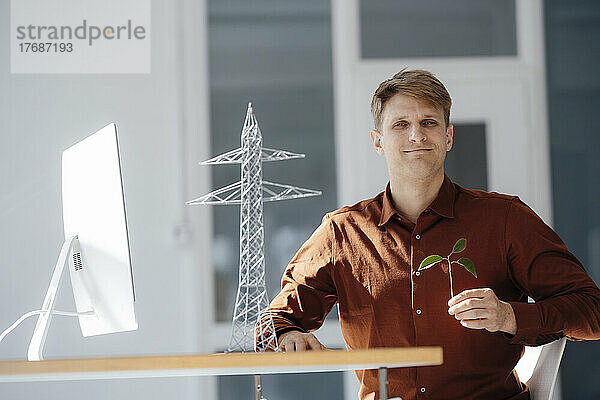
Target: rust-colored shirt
[365, 258]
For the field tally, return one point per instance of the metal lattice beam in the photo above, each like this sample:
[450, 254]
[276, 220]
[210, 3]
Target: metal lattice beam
[231, 194]
[236, 156]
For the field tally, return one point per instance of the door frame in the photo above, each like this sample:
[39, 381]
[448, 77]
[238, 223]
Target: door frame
[507, 93]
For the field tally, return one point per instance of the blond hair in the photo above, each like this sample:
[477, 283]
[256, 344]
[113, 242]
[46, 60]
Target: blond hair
[420, 84]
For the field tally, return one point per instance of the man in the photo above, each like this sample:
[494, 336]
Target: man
[430, 263]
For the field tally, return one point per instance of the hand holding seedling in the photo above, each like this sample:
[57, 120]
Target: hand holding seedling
[481, 309]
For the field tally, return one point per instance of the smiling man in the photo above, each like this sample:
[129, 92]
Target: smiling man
[430, 263]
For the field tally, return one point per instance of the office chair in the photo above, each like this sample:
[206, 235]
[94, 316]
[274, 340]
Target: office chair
[539, 368]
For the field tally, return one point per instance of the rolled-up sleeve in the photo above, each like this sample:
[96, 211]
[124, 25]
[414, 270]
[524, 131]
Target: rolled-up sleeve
[567, 301]
[307, 289]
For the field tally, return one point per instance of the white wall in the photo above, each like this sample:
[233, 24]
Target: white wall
[163, 132]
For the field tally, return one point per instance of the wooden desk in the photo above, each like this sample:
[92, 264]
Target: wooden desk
[217, 364]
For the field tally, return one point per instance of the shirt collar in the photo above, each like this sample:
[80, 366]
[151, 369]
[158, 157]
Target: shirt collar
[443, 204]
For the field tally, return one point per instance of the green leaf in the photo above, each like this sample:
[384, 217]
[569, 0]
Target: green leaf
[460, 245]
[469, 265]
[429, 261]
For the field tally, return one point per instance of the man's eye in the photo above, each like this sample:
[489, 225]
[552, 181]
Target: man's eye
[401, 124]
[429, 123]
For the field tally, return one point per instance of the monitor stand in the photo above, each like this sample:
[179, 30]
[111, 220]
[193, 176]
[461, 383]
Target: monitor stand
[36, 345]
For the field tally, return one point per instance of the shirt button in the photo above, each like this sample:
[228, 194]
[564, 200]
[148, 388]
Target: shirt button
[419, 312]
[418, 237]
[422, 389]
[418, 273]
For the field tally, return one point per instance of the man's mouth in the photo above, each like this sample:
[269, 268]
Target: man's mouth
[417, 151]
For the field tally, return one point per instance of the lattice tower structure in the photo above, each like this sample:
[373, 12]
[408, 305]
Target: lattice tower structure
[251, 316]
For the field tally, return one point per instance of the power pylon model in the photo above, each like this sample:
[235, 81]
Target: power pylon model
[249, 317]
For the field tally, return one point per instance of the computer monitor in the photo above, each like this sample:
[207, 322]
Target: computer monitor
[96, 244]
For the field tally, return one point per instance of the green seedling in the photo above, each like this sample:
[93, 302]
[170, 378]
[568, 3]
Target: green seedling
[434, 259]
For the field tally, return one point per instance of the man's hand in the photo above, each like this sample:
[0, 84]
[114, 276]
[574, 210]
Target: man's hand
[299, 341]
[481, 309]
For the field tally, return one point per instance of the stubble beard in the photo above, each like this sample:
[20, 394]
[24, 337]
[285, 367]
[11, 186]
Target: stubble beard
[419, 169]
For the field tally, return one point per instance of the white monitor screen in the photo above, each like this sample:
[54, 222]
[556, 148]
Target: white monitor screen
[94, 211]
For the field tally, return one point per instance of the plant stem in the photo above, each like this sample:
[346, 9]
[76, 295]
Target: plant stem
[450, 274]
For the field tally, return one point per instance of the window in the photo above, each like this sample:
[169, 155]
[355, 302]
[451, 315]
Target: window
[466, 163]
[437, 28]
[278, 56]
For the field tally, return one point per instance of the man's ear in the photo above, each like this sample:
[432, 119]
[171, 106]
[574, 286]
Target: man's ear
[377, 141]
[449, 137]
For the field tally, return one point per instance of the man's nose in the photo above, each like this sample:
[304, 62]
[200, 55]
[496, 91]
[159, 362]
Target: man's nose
[416, 134]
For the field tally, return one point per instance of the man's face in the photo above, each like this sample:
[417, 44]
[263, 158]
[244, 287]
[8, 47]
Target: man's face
[412, 137]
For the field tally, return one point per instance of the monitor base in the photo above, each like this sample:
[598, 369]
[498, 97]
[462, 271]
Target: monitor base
[36, 345]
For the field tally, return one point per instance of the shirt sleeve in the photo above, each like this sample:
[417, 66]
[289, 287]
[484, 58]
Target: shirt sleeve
[307, 289]
[567, 301]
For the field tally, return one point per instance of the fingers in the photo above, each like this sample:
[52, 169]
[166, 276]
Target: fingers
[491, 325]
[300, 345]
[287, 342]
[468, 304]
[298, 341]
[476, 313]
[470, 293]
[314, 344]
[475, 323]
[288, 345]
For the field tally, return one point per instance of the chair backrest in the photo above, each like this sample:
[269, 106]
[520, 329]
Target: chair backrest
[543, 379]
